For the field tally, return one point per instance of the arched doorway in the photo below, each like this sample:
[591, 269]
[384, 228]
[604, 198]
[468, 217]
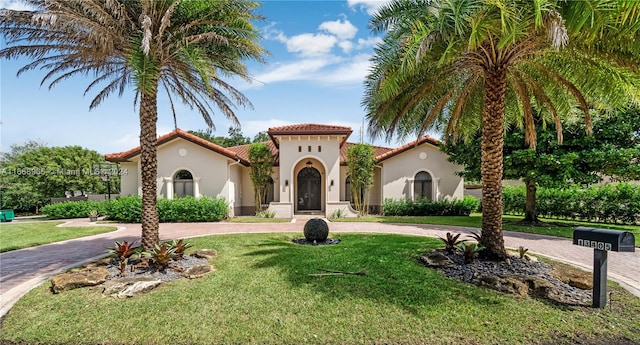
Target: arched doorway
[309, 189]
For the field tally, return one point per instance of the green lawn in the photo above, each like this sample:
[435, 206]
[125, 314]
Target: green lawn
[261, 293]
[254, 219]
[24, 235]
[475, 221]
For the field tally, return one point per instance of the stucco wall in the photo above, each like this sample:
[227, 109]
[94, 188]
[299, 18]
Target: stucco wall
[129, 181]
[294, 152]
[399, 171]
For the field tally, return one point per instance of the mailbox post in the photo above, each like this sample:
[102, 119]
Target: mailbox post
[602, 241]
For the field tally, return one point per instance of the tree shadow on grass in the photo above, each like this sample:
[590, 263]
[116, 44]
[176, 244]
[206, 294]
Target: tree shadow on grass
[393, 273]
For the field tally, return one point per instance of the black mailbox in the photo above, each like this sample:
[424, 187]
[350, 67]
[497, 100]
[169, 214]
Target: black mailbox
[604, 239]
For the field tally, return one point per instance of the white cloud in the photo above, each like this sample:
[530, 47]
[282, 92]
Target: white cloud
[252, 127]
[368, 42]
[298, 70]
[311, 44]
[370, 6]
[347, 46]
[353, 72]
[15, 5]
[343, 30]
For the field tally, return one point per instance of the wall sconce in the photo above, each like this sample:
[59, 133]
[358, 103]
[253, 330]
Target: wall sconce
[309, 164]
[331, 184]
[286, 183]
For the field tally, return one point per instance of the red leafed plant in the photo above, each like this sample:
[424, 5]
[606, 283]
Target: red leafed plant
[123, 251]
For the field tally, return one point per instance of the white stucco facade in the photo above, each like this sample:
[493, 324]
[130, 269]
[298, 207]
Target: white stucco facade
[309, 177]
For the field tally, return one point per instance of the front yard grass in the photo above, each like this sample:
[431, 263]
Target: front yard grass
[18, 236]
[475, 221]
[261, 293]
[254, 219]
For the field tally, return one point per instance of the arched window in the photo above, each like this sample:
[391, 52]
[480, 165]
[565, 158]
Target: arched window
[183, 184]
[422, 186]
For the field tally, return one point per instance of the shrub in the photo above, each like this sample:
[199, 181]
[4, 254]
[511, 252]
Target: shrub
[610, 203]
[188, 209]
[316, 229]
[424, 207]
[71, 209]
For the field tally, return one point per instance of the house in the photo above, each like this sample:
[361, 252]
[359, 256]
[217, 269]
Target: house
[309, 173]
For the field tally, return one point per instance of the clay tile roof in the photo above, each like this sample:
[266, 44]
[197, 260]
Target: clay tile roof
[403, 148]
[377, 151]
[309, 129]
[178, 133]
[243, 151]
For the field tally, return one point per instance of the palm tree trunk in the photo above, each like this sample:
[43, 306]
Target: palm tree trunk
[530, 214]
[149, 167]
[492, 165]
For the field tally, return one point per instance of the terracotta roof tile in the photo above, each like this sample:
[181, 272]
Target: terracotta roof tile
[243, 151]
[403, 148]
[309, 129]
[377, 151]
[178, 133]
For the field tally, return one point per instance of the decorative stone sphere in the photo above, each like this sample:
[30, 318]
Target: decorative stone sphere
[316, 229]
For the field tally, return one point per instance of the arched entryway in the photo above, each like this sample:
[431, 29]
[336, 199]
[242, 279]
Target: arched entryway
[309, 189]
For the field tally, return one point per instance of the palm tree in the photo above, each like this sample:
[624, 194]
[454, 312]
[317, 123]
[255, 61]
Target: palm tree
[460, 65]
[184, 47]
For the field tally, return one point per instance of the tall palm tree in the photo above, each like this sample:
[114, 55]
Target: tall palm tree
[460, 65]
[184, 47]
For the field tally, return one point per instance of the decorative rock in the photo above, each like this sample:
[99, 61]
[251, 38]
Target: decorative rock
[90, 276]
[574, 277]
[129, 287]
[198, 271]
[205, 253]
[436, 259]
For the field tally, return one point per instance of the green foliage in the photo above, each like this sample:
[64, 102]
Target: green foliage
[316, 229]
[426, 207]
[261, 170]
[188, 209]
[160, 256]
[72, 209]
[360, 164]
[265, 214]
[32, 173]
[522, 252]
[234, 138]
[450, 242]
[178, 247]
[610, 203]
[470, 250]
[337, 214]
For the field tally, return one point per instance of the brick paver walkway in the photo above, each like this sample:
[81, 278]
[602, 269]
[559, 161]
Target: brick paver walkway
[21, 270]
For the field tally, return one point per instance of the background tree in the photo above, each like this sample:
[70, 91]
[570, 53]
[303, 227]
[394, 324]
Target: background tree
[180, 47]
[464, 65]
[361, 161]
[613, 150]
[261, 170]
[235, 137]
[32, 174]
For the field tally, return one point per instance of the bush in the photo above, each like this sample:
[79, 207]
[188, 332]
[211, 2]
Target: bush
[316, 229]
[72, 209]
[189, 209]
[609, 203]
[426, 207]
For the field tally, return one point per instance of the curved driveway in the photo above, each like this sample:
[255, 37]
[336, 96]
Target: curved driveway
[24, 269]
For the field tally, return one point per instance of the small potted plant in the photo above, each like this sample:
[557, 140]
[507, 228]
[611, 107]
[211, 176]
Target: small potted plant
[93, 215]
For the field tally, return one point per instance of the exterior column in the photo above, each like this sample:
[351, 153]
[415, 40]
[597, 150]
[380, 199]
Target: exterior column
[196, 187]
[168, 182]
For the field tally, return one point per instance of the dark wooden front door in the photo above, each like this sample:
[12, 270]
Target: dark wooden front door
[309, 182]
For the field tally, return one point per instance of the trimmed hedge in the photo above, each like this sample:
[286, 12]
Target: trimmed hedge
[128, 209]
[72, 209]
[426, 207]
[619, 203]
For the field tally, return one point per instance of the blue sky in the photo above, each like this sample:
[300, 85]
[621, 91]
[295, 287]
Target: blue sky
[320, 54]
